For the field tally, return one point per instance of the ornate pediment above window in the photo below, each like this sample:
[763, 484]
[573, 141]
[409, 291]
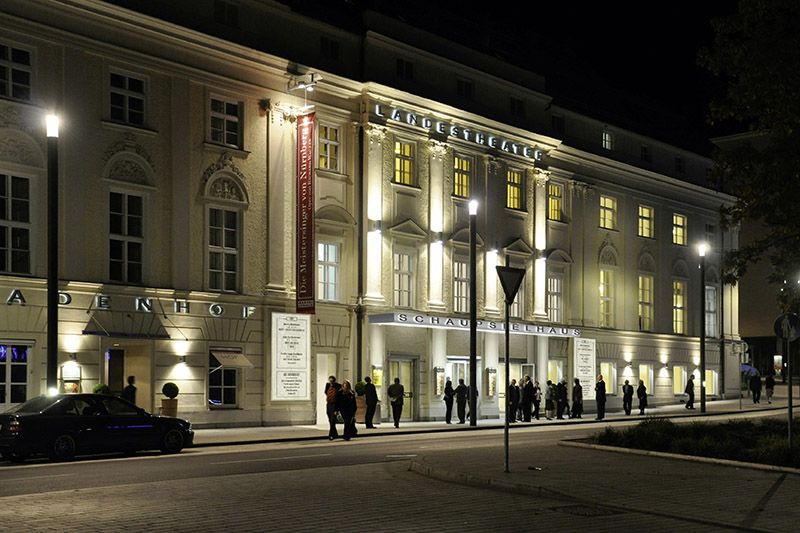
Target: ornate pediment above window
[224, 163]
[23, 118]
[128, 145]
[679, 269]
[19, 148]
[608, 255]
[461, 238]
[519, 248]
[647, 263]
[410, 230]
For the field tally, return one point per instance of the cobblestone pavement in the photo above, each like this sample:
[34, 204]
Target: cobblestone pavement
[375, 497]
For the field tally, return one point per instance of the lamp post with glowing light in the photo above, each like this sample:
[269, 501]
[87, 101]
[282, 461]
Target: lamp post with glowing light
[702, 248]
[52, 253]
[473, 315]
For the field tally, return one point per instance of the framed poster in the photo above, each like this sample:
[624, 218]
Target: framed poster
[291, 356]
[585, 363]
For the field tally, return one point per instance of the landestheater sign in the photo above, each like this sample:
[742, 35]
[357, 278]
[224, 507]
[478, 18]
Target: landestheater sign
[491, 326]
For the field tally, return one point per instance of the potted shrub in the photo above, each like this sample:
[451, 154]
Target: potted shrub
[169, 405]
[361, 401]
[101, 388]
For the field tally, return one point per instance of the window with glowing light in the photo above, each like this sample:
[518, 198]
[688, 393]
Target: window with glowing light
[225, 122]
[403, 267]
[679, 377]
[460, 285]
[462, 176]
[555, 298]
[711, 311]
[329, 147]
[645, 303]
[514, 188]
[679, 229]
[646, 221]
[15, 225]
[679, 307]
[555, 199]
[404, 163]
[608, 140]
[223, 384]
[13, 373]
[328, 265]
[608, 212]
[15, 72]
[606, 298]
[609, 372]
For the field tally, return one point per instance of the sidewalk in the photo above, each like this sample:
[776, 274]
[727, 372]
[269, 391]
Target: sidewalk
[251, 435]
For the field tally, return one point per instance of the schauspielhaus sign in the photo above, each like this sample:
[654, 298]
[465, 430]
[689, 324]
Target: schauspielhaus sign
[492, 326]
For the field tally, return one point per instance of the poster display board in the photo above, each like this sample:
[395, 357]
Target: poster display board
[585, 364]
[291, 356]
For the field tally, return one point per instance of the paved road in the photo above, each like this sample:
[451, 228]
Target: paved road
[366, 484]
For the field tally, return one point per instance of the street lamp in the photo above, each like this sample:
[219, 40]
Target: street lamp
[473, 315]
[52, 123]
[701, 250]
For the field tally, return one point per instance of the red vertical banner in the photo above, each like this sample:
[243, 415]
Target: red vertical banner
[305, 214]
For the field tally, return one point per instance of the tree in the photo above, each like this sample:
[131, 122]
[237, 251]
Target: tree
[756, 55]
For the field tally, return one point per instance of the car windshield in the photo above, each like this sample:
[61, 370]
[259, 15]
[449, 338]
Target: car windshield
[35, 405]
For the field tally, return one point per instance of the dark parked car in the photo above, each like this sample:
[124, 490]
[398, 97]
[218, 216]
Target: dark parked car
[67, 425]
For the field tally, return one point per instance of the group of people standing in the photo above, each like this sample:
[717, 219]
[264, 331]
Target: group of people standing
[341, 406]
[627, 397]
[755, 387]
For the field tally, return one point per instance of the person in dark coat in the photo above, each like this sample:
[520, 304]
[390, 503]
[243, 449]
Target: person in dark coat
[755, 388]
[129, 392]
[577, 399]
[689, 390]
[641, 393]
[769, 385]
[600, 397]
[396, 393]
[462, 393]
[527, 398]
[346, 405]
[537, 399]
[561, 399]
[449, 394]
[371, 399]
[627, 397]
[331, 391]
[513, 401]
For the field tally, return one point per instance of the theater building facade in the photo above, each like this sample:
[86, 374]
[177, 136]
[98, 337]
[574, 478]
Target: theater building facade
[202, 243]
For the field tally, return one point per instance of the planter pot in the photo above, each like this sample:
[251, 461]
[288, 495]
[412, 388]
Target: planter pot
[361, 408]
[169, 407]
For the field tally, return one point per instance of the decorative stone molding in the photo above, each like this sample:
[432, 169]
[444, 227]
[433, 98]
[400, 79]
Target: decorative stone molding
[130, 171]
[540, 177]
[492, 164]
[437, 149]
[225, 162]
[19, 148]
[225, 189]
[284, 112]
[377, 134]
[608, 254]
[128, 144]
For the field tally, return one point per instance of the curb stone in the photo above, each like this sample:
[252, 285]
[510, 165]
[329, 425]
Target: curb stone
[475, 480]
[680, 457]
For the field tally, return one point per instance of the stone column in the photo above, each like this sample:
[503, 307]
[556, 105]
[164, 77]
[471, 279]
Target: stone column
[438, 156]
[540, 243]
[373, 194]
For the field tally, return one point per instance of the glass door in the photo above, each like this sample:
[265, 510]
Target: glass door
[404, 369]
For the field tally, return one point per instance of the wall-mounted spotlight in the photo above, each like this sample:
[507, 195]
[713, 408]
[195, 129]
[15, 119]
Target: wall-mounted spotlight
[306, 82]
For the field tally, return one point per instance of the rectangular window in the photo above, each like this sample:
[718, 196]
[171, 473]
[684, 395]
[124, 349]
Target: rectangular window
[555, 299]
[514, 189]
[609, 373]
[555, 199]
[226, 13]
[15, 225]
[404, 163]
[465, 89]
[225, 122]
[462, 176]
[516, 106]
[680, 166]
[329, 48]
[127, 99]
[711, 311]
[606, 298]
[646, 219]
[679, 377]
[328, 147]
[646, 375]
[516, 309]
[460, 286]
[403, 280]
[405, 69]
[711, 234]
[645, 303]
[608, 212]
[223, 384]
[13, 373]
[223, 250]
[678, 229]
[608, 140]
[328, 262]
[644, 153]
[555, 370]
[679, 307]
[125, 237]
[15, 73]
[711, 382]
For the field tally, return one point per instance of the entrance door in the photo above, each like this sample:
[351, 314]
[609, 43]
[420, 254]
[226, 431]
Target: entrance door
[326, 367]
[131, 361]
[405, 370]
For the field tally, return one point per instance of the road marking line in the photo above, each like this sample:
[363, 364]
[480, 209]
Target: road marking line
[401, 456]
[35, 477]
[271, 459]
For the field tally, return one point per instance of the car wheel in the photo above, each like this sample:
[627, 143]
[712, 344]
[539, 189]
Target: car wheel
[172, 441]
[63, 448]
